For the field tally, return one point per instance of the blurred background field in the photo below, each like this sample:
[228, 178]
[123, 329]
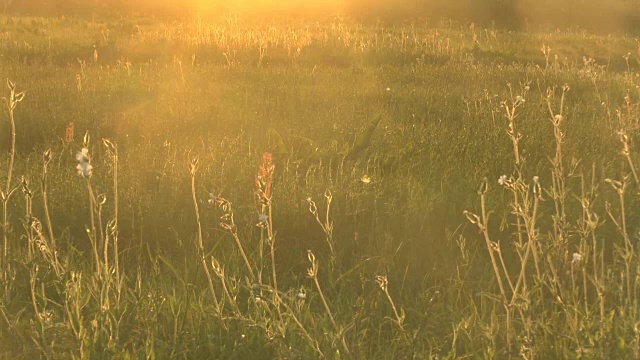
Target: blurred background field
[595, 15]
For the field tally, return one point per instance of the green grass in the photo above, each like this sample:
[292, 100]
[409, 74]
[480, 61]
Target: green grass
[227, 92]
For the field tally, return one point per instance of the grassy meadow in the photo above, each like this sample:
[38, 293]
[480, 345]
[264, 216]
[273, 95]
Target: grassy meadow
[300, 189]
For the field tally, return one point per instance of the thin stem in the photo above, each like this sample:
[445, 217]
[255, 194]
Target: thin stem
[326, 307]
[115, 219]
[272, 240]
[489, 243]
[201, 254]
[13, 149]
[244, 255]
[530, 246]
[92, 235]
[302, 328]
[45, 200]
[627, 243]
[395, 311]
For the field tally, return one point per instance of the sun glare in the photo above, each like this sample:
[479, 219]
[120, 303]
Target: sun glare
[266, 6]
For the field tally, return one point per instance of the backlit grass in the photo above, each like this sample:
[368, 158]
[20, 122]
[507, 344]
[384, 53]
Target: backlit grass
[316, 189]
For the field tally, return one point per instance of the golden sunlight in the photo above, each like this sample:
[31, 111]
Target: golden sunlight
[267, 6]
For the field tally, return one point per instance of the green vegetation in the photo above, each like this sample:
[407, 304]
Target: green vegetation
[295, 189]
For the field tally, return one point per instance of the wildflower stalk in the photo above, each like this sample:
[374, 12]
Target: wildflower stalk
[532, 237]
[264, 187]
[193, 168]
[45, 198]
[586, 228]
[510, 114]
[515, 136]
[104, 240]
[261, 251]
[482, 223]
[621, 225]
[219, 270]
[92, 230]
[626, 152]
[591, 220]
[229, 225]
[13, 100]
[383, 282]
[28, 199]
[69, 134]
[50, 257]
[312, 342]
[11, 103]
[558, 189]
[272, 242]
[5, 196]
[327, 224]
[101, 199]
[41, 315]
[112, 150]
[73, 306]
[312, 272]
[85, 169]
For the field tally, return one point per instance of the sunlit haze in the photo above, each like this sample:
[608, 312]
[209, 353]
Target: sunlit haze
[320, 179]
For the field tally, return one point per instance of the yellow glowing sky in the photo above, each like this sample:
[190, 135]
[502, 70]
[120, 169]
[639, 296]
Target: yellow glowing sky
[267, 5]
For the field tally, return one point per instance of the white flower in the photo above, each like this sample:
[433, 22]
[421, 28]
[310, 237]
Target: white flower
[519, 100]
[388, 89]
[576, 258]
[83, 155]
[536, 179]
[84, 169]
[309, 199]
[302, 294]
[502, 180]
[558, 117]
[366, 179]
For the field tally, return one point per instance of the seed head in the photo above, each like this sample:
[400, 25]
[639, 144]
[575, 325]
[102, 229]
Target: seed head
[46, 156]
[69, 133]
[193, 165]
[382, 281]
[111, 147]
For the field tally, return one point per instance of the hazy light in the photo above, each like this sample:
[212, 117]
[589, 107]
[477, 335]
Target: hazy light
[268, 5]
